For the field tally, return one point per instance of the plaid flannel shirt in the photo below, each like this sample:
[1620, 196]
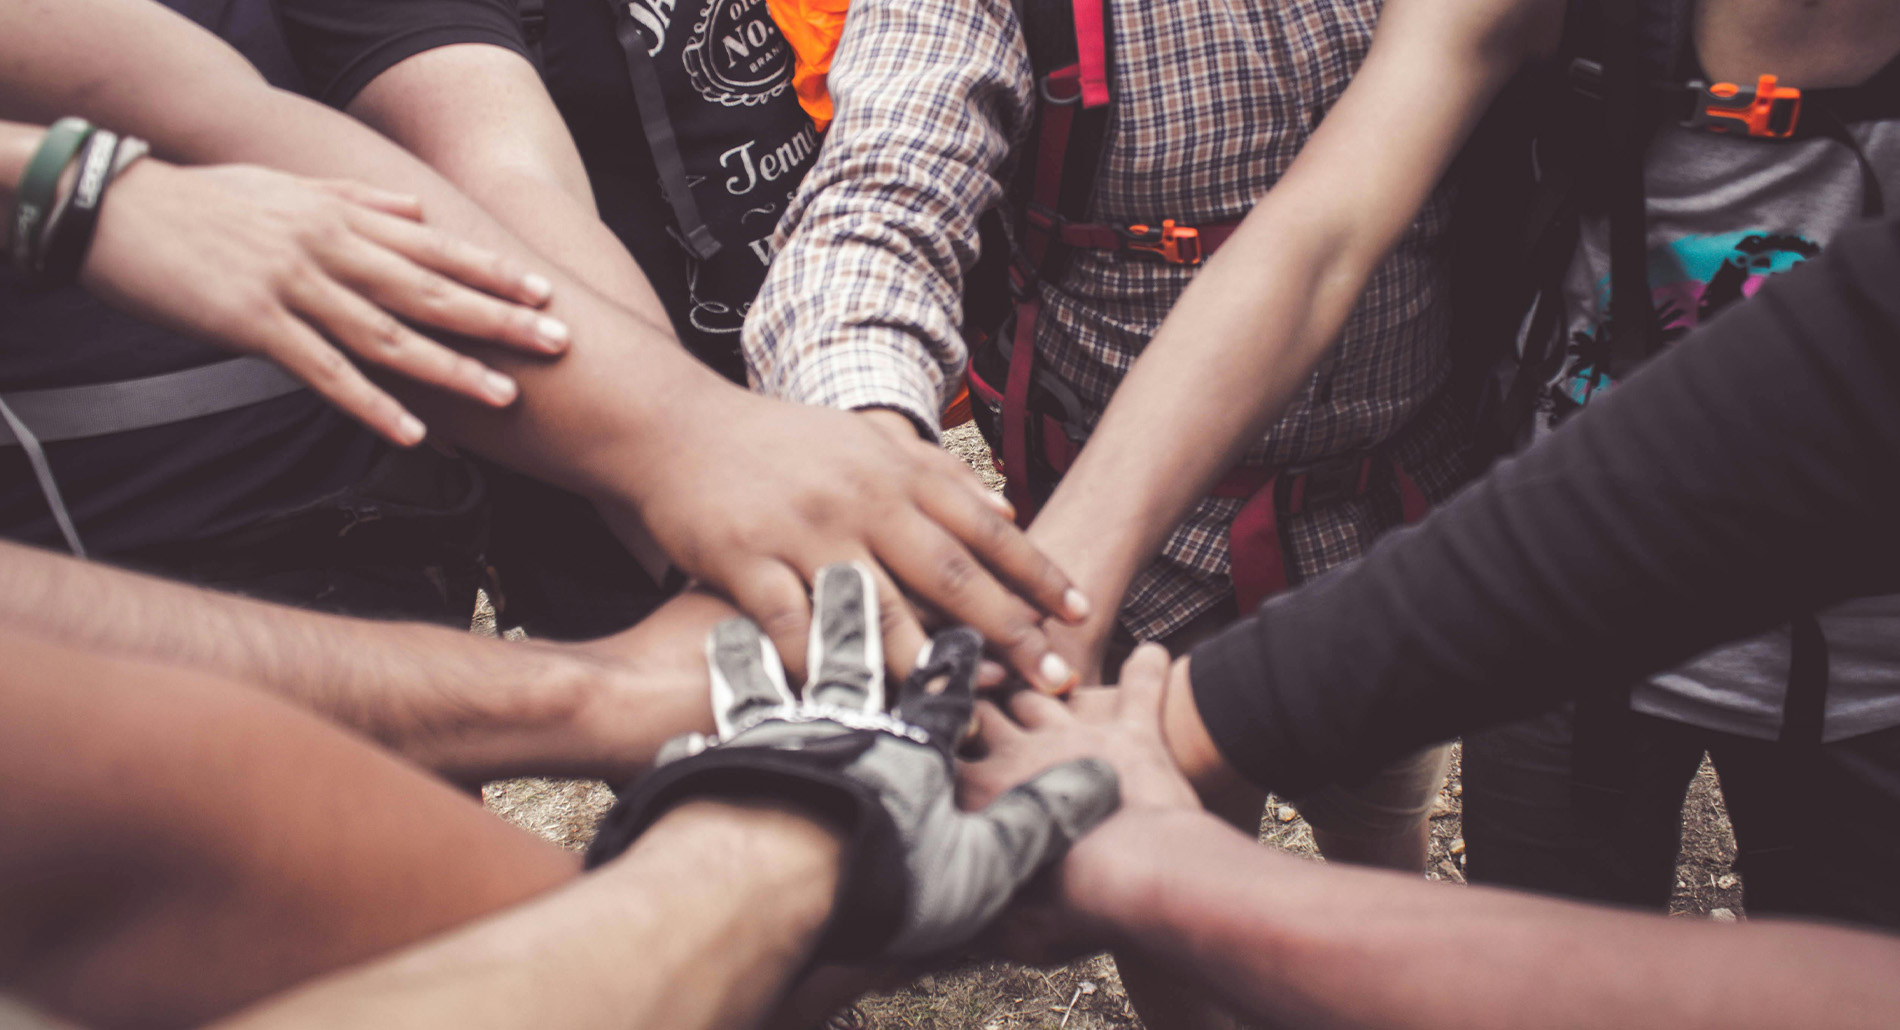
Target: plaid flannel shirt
[1213, 99]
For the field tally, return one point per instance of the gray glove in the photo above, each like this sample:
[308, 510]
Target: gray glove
[920, 875]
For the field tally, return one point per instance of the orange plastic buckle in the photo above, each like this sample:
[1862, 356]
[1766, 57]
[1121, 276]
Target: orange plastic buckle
[1175, 244]
[1768, 111]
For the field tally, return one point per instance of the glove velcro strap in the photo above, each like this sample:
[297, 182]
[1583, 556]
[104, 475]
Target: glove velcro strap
[871, 895]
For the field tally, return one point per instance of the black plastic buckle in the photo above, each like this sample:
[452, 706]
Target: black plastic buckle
[1329, 482]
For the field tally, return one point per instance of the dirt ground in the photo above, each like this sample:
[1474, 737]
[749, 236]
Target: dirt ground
[1088, 995]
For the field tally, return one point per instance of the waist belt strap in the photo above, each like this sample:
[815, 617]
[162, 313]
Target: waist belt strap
[78, 412]
[29, 418]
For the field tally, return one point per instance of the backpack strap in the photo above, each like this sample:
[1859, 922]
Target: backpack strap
[1633, 334]
[1071, 130]
[31, 418]
[1070, 62]
[650, 97]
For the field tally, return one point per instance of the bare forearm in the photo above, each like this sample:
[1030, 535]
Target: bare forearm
[478, 114]
[1319, 945]
[580, 422]
[701, 924]
[1248, 332]
[1230, 357]
[465, 706]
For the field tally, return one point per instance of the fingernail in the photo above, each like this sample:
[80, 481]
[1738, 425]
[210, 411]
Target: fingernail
[410, 430]
[498, 387]
[1057, 677]
[1001, 504]
[550, 332]
[990, 674]
[537, 287]
[1075, 604]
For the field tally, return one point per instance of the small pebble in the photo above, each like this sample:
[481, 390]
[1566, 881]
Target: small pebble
[1458, 846]
[1287, 815]
[1729, 882]
[1722, 915]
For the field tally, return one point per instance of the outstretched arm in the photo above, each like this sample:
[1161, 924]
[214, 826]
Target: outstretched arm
[468, 708]
[1747, 476]
[750, 495]
[862, 307]
[699, 912]
[1267, 307]
[701, 924]
[1293, 942]
[478, 113]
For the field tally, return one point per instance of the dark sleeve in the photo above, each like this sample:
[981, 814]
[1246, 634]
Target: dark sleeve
[1751, 473]
[342, 45]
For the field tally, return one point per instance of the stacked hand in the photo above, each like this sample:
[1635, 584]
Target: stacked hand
[1117, 725]
[921, 875]
[303, 271]
[798, 487]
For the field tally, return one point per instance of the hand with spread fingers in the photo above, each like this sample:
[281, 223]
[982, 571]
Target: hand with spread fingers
[316, 276]
[921, 876]
[1120, 726]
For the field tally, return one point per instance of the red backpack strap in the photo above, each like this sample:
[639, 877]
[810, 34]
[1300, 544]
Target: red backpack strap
[1091, 51]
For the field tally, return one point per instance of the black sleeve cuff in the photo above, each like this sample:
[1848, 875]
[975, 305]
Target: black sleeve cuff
[1234, 692]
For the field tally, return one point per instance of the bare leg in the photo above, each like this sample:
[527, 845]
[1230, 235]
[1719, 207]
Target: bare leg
[178, 846]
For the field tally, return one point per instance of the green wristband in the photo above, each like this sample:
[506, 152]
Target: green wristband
[39, 187]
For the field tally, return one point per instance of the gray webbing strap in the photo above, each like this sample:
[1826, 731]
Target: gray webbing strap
[49, 487]
[77, 412]
[650, 98]
[35, 417]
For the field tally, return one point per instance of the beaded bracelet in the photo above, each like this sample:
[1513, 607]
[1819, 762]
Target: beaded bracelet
[39, 187]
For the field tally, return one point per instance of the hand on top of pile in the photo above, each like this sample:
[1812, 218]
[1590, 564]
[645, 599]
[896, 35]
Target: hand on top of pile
[753, 496]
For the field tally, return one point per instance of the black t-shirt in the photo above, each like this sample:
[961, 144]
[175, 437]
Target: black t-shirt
[725, 72]
[1750, 474]
[175, 483]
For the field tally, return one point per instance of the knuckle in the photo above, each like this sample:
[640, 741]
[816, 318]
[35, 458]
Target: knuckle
[1017, 631]
[249, 309]
[327, 230]
[436, 250]
[891, 614]
[433, 292]
[330, 366]
[956, 573]
[385, 333]
[782, 621]
[499, 269]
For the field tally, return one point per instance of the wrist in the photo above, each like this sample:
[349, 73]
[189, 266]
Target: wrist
[760, 848]
[1099, 555]
[897, 424]
[1114, 881]
[636, 451]
[482, 710]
